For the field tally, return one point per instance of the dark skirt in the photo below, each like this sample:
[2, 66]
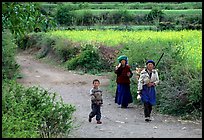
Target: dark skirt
[148, 95]
[123, 95]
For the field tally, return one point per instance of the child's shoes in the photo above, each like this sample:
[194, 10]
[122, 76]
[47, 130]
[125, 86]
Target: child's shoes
[89, 119]
[99, 122]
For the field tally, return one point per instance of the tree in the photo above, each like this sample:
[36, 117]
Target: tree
[21, 18]
[155, 15]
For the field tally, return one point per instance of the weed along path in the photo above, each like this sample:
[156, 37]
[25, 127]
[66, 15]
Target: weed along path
[116, 122]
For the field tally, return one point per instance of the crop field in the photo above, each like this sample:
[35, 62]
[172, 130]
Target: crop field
[189, 41]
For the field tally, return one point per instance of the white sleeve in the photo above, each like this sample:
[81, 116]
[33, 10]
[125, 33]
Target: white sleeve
[140, 83]
[157, 78]
[90, 92]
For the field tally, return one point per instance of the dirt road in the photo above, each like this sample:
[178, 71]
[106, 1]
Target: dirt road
[117, 122]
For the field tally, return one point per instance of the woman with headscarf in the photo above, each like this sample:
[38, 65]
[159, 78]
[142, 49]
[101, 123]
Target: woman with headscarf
[146, 87]
[123, 95]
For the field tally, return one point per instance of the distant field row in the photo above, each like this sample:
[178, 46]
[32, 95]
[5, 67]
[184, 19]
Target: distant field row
[147, 5]
[132, 5]
[103, 27]
[146, 11]
[114, 27]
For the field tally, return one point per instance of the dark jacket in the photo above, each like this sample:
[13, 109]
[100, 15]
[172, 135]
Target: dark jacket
[122, 77]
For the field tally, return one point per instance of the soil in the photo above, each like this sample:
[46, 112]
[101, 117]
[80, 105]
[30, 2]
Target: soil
[116, 122]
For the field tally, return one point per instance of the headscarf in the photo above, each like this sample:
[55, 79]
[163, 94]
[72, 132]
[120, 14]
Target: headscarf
[123, 57]
[150, 61]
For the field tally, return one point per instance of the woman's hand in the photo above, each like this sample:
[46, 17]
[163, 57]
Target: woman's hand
[128, 74]
[118, 66]
[151, 84]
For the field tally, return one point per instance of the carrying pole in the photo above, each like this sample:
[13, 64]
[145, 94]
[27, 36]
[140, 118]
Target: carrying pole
[159, 59]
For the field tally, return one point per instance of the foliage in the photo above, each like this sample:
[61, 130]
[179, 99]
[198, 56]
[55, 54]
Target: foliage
[64, 14]
[66, 49]
[9, 65]
[33, 112]
[181, 92]
[31, 40]
[121, 16]
[166, 26]
[87, 59]
[87, 18]
[155, 15]
[19, 127]
[21, 18]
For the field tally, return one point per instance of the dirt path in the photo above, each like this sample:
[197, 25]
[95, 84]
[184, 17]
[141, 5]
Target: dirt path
[117, 122]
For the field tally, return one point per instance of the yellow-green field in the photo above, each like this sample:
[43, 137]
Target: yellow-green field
[189, 40]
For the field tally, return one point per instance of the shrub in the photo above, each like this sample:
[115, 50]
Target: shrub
[33, 112]
[45, 45]
[66, 49]
[166, 26]
[180, 93]
[31, 40]
[65, 14]
[19, 127]
[9, 65]
[155, 15]
[87, 18]
[86, 59]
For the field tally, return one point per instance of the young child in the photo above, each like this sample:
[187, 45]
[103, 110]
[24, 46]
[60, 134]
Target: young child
[96, 101]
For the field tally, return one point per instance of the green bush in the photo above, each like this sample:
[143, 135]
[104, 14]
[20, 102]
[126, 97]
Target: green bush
[19, 126]
[88, 59]
[31, 40]
[22, 18]
[45, 45]
[66, 49]
[87, 18]
[121, 16]
[180, 92]
[166, 26]
[9, 65]
[39, 42]
[156, 14]
[33, 112]
[65, 14]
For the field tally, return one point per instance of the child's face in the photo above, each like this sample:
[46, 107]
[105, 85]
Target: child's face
[96, 84]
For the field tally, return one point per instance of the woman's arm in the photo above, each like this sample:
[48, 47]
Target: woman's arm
[157, 78]
[140, 83]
